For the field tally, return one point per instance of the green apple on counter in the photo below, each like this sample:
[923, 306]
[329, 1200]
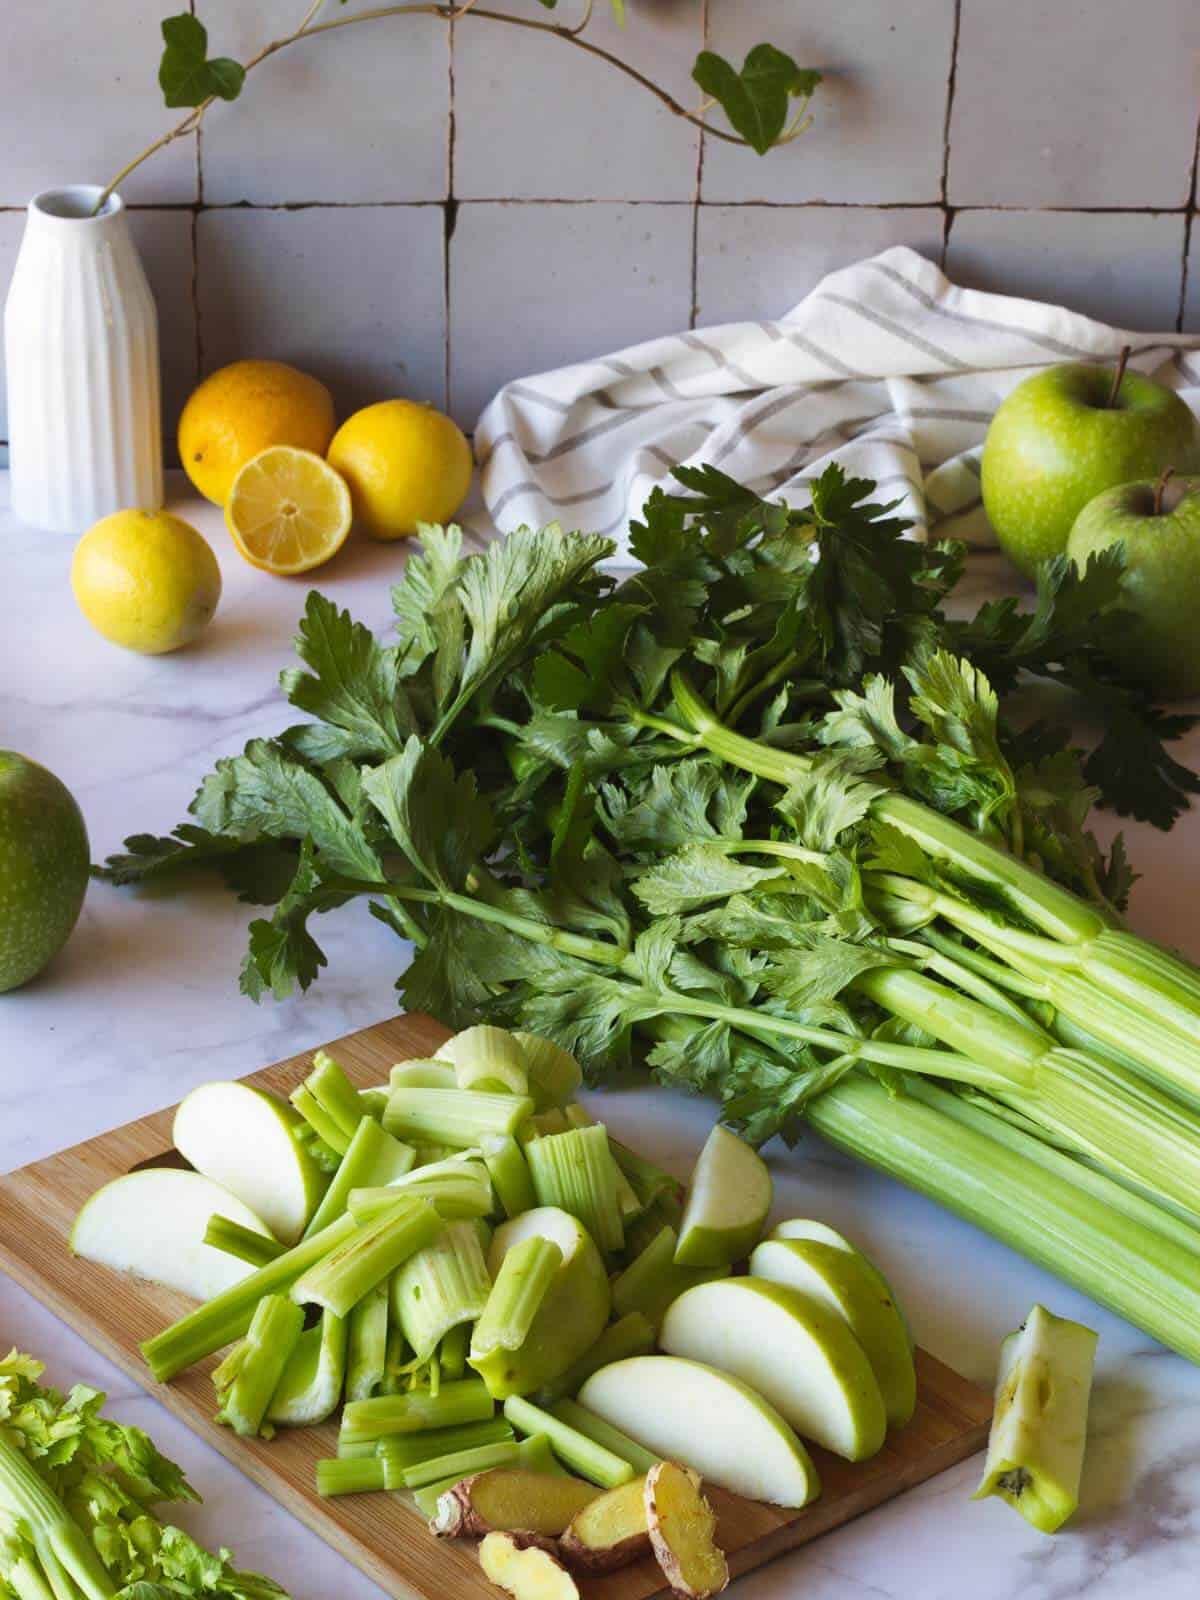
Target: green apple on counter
[1159, 526]
[710, 1421]
[822, 1233]
[799, 1355]
[839, 1280]
[44, 857]
[245, 1140]
[728, 1201]
[152, 1223]
[1066, 434]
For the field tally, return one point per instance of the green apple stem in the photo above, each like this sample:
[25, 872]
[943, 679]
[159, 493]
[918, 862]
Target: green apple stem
[1117, 377]
[1159, 488]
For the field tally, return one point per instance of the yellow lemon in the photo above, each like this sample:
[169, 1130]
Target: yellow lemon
[146, 580]
[288, 511]
[405, 463]
[242, 409]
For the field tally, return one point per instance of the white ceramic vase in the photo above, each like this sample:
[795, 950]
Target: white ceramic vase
[81, 350]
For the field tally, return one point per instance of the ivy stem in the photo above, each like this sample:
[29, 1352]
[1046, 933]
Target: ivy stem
[448, 13]
[1118, 375]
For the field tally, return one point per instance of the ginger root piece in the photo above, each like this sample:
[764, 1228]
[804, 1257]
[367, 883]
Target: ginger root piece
[509, 1500]
[681, 1524]
[525, 1568]
[610, 1532]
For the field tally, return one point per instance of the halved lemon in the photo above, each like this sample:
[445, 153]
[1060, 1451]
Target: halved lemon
[288, 510]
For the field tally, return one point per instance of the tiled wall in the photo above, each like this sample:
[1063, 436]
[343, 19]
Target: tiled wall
[403, 207]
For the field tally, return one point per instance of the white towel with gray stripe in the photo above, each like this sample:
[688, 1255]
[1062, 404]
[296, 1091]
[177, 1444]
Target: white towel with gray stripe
[885, 366]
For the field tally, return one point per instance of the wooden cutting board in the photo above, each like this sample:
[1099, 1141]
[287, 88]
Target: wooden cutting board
[380, 1533]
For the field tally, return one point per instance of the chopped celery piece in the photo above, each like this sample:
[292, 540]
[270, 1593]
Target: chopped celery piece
[460, 1465]
[340, 1280]
[244, 1243]
[509, 1172]
[467, 1400]
[443, 1284]
[591, 1460]
[333, 1091]
[247, 1378]
[326, 1158]
[366, 1344]
[311, 1386]
[628, 1203]
[429, 1155]
[604, 1433]
[422, 1075]
[554, 1074]
[535, 1454]
[395, 1365]
[452, 1352]
[654, 1279]
[326, 1127]
[227, 1316]
[648, 1181]
[544, 1123]
[487, 1058]
[455, 1117]
[575, 1171]
[633, 1335]
[401, 1450]
[426, 1498]
[374, 1101]
[526, 1274]
[664, 1211]
[339, 1476]
[456, 1188]
[372, 1158]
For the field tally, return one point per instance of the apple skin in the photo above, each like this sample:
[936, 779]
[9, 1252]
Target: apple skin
[1055, 444]
[1161, 646]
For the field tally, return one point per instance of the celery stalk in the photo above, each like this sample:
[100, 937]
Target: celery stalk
[62, 1550]
[452, 1352]
[227, 1316]
[366, 1344]
[245, 1243]
[632, 1335]
[402, 1450]
[544, 1123]
[340, 1279]
[603, 1433]
[535, 1454]
[422, 1075]
[337, 1096]
[653, 1279]
[576, 1172]
[509, 1172]
[554, 1074]
[310, 1388]
[467, 1400]
[583, 1455]
[443, 1284]
[326, 1127]
[459, 1465]
[455, 1117]
[516, 1297]
[628, 1203]
[426, 1499]
[489, 1059]
[455, 1188]
[372, 1158]
[339, 1476]
[664, 1211]
[248, 1377]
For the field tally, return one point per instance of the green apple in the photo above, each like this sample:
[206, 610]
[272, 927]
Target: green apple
[152, 1223]
[1062, 436]
[691, 1413]
[727, 1204]
[569, 1320]
[245, 1140]
[1039, 1427]
[1159, 526]
[44, 858]
[840, 1280]
[794, 1351]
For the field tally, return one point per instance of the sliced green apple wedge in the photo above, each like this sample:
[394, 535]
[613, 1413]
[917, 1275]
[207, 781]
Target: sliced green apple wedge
[822, 1233]
[244, 1139]
[708, 1420]
[796, 1353]
[152, 1223]
[727, 1204]
[840, 1280]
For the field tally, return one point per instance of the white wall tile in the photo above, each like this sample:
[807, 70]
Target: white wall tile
[536, 286]
[1078, 103]
[758, 261]
[1120, 268]
[354, 295]
[79, 97]
[358, 114]
[878, 118]
[537, 118]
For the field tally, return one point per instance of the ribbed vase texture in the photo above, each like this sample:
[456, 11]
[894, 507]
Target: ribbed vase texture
[81, 351]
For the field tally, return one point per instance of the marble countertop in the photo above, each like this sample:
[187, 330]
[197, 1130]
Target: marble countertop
[143, 1005]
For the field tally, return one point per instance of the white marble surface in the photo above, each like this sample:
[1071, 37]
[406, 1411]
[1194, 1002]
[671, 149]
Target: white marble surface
[143, 1004]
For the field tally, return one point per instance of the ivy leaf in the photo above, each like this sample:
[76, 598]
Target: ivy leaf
[755, 99]
[186, 76]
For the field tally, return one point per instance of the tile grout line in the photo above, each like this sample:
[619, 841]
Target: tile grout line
[1189, 224]
[694, 309]
[951, 86]
[194, 286]
[449, 211]
[931, 204]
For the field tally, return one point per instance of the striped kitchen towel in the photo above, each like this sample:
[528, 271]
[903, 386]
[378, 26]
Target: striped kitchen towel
[886, 366]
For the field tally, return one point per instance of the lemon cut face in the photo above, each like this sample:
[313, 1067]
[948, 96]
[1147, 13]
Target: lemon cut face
[288, 511]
